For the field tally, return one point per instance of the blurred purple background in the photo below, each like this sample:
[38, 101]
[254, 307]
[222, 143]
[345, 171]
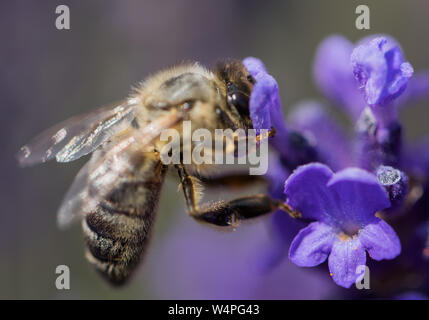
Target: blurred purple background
[48, 75]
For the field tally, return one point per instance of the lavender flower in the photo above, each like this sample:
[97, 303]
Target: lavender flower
[315, 137]
[344, 206]
[265, 105]
[266, 113]
[382, 74]
[293, 149]
[333, 74]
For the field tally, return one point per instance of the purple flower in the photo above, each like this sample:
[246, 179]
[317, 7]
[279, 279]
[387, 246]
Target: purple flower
[382, 73]
[266, 113]
[344, 206]
[333, 74]
[265, 105]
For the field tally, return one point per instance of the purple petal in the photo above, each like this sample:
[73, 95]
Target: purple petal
[381, 71]
[262, 100]
[312, 245]
[380, 240]
[277, 118]
[391, 42]
[359, 196]
[345, 257]
[265, 106]
[255, 67]
[312, 119]
[307, 192]
[333, 74]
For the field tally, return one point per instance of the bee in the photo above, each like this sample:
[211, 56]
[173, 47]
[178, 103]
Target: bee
[116, 193]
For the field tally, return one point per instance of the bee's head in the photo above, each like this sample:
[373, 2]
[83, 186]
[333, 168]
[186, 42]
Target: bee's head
[239, 84]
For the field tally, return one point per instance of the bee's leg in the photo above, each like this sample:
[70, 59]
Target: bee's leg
[229, 213]
[235, 180]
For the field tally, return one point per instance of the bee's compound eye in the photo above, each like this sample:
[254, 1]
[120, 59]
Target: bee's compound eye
[240, 102]
[237, 98]
[251, 79]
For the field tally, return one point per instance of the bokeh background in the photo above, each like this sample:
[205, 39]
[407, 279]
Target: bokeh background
[48, 75]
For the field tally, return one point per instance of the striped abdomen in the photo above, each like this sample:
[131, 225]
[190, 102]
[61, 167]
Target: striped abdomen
[117, 232]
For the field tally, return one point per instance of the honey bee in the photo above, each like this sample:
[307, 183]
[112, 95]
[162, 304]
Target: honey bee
[116, 193]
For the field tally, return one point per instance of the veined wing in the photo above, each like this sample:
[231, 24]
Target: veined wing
[79, 135]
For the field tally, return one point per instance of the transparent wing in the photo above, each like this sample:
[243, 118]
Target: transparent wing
[79, 135]
[115, 162]
[74, 201]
